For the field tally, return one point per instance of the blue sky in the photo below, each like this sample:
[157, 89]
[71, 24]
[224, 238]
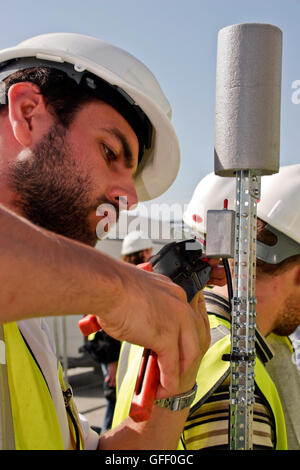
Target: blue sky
[177, 40]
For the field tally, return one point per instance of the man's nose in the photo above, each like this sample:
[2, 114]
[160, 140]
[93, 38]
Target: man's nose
[124, 194]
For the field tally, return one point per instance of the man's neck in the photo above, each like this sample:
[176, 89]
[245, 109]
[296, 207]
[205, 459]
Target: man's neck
[6, 196]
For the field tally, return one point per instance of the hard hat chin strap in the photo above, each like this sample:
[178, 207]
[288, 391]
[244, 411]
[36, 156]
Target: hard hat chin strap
[94, 85]
[283, 249]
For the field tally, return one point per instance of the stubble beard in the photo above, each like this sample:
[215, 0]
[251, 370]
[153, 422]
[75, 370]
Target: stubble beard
[288, 318]
[52, 191]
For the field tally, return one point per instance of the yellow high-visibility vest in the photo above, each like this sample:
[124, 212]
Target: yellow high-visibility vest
[28, 416]
[212, 371]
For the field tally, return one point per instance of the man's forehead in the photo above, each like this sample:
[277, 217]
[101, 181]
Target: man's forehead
[130, 156]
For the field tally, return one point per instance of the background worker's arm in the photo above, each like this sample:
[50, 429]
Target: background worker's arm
[44, 274]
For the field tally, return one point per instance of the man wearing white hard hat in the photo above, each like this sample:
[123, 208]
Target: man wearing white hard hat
[82, 124]
[276, 423]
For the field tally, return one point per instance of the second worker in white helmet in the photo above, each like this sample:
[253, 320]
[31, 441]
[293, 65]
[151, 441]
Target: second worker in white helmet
[277, 281]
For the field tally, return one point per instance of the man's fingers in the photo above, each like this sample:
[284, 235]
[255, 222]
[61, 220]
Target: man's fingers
[217, 276]
[194, 340]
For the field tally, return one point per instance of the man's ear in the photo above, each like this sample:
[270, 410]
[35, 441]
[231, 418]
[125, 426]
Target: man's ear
[27, 112]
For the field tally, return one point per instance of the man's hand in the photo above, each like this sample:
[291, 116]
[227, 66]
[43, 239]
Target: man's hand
[153, 311]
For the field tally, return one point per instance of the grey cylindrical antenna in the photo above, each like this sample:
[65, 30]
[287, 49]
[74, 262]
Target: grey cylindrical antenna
[248, 95]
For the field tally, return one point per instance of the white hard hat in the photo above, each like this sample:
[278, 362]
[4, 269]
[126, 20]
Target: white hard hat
[280, 201]
[278, 206]
[134, 85]
[135, 241]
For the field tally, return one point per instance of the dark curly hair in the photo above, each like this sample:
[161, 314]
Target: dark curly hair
[62, 94]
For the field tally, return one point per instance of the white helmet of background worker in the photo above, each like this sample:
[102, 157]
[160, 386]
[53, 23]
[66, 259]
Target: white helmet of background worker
[278, 206]
[129, 86]
[136, 241]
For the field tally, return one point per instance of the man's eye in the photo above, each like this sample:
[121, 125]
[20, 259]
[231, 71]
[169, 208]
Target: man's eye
[110, 155]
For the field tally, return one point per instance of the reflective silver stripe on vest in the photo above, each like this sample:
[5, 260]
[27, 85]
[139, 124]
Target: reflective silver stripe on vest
[123, 364]
[7, 437]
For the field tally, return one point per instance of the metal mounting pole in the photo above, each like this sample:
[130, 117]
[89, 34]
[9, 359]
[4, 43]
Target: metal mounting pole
[243, 312]
[247, 138]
